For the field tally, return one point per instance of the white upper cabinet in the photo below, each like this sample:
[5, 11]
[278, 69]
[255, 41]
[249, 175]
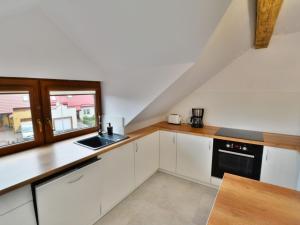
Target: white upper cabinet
[116, 175]
[280, 167]
[167, 147]
[16, 208]
[146, 157]
[72, 199]
[194, 157]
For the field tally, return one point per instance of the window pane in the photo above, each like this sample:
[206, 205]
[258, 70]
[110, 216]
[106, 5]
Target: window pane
[15, 118]
[72, 110]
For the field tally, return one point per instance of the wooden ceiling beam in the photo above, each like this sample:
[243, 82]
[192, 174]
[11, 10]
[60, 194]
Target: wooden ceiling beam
[267, 13]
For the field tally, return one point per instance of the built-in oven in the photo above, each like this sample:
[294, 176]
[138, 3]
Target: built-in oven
[236, 158]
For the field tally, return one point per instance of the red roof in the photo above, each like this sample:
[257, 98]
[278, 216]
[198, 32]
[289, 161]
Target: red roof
[10, 101]
[77, 101]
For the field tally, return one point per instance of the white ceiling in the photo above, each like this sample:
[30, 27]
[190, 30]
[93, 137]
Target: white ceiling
[140, 47]
[231, 38]
[9, 7]
[142, 50]
[288, 19]
[136, 33]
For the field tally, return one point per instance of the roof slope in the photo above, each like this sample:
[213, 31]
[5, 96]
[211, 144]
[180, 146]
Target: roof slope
[231, 38]
[142, 46]
[149, 54]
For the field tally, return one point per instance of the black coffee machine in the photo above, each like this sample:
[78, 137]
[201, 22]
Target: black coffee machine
[197, 117]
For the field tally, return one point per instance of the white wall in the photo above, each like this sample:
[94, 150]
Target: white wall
[231, 39]
[137, 48]
[32, 46]
[260, 90]
[143, 46]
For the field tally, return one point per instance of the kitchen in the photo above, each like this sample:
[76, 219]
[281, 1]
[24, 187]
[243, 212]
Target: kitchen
[125, 131]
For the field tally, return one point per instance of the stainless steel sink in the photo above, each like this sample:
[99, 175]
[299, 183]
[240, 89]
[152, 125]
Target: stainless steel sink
[100, 141]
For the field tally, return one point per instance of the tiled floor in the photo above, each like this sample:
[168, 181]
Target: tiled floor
[163, 200]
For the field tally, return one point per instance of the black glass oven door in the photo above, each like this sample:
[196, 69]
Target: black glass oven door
[234, 163]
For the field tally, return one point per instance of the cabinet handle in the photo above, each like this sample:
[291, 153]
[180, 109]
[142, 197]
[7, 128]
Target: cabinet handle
[136, 147]
[100, 208]
[174, 139]
[267, 155]
[76, 180]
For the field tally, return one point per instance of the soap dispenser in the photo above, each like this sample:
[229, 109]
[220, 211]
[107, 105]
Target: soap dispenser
[109, 129]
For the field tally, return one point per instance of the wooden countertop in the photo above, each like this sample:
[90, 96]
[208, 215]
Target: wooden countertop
[241, 201]
[270, 139]
[26, 167]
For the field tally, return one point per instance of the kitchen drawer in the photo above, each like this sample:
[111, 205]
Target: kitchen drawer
[22, 215]
[15, 199]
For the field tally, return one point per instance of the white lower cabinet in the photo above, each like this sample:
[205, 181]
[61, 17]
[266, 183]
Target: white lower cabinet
[23, 215]
[72, 199]
[280, 167]
[146, 157]
[168, 148]
[194, 157]
[16, 208]
[116, 176]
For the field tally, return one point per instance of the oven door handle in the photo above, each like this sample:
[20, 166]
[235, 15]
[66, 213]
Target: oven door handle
[236, 153]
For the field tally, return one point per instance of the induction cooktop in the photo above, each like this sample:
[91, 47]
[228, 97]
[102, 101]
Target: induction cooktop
[242, 134]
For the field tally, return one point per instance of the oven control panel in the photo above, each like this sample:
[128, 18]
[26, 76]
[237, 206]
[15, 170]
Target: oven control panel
[238, 146]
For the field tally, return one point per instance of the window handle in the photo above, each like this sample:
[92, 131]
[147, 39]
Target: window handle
[49, 123]
[40, 125]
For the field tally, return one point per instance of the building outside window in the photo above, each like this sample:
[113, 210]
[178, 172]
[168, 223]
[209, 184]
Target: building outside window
[15, 118]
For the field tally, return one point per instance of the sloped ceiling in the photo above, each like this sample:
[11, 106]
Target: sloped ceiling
[137, 48]
[142, 46]
[232, 38]
[288, 18]
[32, 46]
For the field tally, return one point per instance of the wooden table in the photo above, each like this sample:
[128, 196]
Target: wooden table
[242, 201]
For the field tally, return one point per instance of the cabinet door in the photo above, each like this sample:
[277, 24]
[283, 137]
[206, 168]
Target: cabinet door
[280, 167]
[23, 215]
[194, 157]
[117, 176]
[167, 151]
[146, 157]
[73, 199]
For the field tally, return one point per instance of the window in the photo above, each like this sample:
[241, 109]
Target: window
[71, 108]
[20, 119]
[15, 118]
[33, 112]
